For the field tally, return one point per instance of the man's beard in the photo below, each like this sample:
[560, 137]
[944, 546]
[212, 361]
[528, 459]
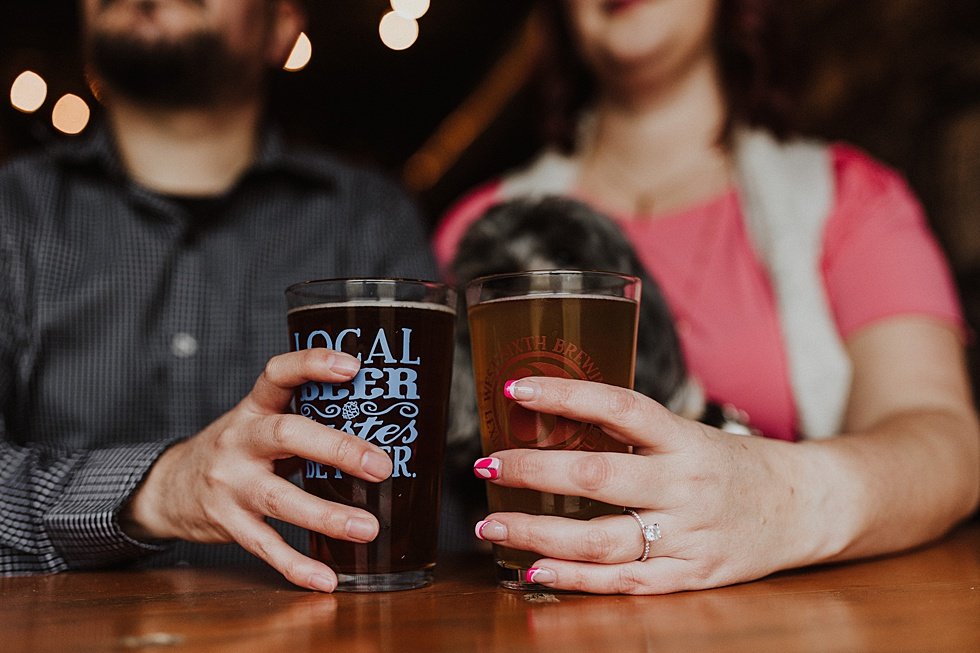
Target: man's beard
[197, 71]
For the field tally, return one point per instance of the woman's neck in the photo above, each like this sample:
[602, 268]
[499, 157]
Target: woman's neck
[657, 149]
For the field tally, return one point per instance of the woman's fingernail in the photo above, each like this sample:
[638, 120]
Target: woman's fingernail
[360, 529]
[344, 365]
[540, 575]
[490, 530]
[376, 464]
[520, 390]
[321, 583]
[487, 468]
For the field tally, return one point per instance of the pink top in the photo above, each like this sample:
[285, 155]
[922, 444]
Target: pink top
[879, 259]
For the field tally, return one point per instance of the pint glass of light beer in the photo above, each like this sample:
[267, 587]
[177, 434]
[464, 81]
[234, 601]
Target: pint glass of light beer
[560, 323]
[402, 332]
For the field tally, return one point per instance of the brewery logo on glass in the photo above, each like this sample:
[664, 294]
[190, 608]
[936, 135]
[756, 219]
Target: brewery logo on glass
[536, 356]
[380, 405]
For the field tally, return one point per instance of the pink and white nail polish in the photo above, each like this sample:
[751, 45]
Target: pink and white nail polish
[540, 576]
[487, 468]
[490, 530]
[478, 529]
[519, 390]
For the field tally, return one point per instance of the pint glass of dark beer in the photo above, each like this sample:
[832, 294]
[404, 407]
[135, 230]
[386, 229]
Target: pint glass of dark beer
[567, 324]
[402, 332]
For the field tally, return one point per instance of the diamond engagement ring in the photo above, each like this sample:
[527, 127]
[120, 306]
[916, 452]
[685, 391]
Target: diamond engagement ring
[650, 533]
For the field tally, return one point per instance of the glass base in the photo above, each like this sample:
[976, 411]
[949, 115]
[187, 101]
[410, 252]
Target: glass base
[513, 578]
[393, 582]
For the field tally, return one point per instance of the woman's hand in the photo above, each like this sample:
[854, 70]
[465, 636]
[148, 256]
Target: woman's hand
[220, 485]
[727, 506]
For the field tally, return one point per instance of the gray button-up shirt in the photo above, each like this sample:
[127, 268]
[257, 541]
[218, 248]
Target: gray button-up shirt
[128, 322]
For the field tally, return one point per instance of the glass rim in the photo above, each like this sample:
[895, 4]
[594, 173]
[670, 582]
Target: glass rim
[381, 281]
[552, 273]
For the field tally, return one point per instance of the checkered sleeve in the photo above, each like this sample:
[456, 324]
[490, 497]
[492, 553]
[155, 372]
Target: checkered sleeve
[61, 508]
[58, 507]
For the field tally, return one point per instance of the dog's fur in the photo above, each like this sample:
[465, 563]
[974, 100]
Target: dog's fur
[547, 234]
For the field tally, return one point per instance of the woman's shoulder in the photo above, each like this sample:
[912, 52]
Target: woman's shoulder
[549, 172]
[880, 256]
[860, 177]
[868, 192]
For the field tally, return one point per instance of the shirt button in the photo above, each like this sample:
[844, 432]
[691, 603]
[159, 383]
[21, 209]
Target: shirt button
[183, 345]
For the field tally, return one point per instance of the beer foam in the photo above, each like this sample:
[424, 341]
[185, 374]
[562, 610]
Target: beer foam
[555, 294]
[376, 303]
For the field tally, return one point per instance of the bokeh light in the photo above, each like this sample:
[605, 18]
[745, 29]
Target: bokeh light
[301, 54]
[410, 8]
[28, 92]
[70, 114]
[398, 32]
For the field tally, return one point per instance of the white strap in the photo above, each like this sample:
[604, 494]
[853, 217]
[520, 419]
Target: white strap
[551, 173]
[786, 191]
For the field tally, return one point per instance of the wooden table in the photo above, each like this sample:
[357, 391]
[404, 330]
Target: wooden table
[926, 600]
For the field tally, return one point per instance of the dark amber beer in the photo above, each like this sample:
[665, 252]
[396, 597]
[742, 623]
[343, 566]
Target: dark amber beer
[573, 325]
[398, 401]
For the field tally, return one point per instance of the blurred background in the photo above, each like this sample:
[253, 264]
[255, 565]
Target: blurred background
[445, 104]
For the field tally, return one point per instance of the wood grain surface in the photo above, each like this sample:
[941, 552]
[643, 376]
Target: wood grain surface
[924, 600]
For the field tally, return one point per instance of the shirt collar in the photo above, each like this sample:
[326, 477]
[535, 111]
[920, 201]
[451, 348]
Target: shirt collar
[97, 148]
[275, 155]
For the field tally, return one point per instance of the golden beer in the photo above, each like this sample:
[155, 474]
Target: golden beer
[575, 335]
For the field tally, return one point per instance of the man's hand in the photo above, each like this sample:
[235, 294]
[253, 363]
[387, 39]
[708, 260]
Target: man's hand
[220, 485]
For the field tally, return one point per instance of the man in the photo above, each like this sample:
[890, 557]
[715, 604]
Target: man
[141, 281]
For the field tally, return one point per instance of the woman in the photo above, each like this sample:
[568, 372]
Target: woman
[663, 146]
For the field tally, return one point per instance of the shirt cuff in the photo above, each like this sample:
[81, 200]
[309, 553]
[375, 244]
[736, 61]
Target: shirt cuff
[84, 524]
